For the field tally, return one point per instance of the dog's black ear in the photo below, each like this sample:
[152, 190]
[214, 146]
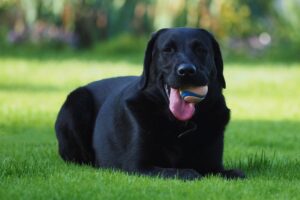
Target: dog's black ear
[217, 59]
[148, 58]
[218, 62]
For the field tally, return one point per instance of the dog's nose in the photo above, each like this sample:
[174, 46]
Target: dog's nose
[186, 70]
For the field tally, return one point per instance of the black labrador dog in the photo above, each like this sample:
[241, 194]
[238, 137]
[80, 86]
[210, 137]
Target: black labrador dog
[128, 123]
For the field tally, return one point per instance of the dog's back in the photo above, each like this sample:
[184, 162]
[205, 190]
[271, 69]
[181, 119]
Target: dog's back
[75, 122]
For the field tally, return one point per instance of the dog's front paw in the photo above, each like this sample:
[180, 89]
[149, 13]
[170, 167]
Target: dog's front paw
[188, 174]
[233, 174]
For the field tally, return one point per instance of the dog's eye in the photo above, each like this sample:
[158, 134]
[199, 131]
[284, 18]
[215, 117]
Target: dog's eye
[169, 50]
[200, 50]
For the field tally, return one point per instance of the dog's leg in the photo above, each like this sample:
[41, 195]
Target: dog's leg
[74, 127]
[210, 161]
[183, 174]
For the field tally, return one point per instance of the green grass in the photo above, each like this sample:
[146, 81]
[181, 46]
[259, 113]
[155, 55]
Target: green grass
[262, 138]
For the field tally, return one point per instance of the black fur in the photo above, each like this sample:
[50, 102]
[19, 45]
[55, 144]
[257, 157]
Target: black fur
[125, 123]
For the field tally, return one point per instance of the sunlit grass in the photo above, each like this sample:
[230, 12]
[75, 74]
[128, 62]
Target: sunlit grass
[264, 91]
[262, 138]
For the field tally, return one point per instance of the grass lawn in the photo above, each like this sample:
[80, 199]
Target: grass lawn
[262, 138]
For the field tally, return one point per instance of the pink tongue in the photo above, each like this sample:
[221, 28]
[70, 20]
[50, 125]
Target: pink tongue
[182, 110]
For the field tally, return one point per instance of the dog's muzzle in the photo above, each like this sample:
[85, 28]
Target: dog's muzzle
[182, 101]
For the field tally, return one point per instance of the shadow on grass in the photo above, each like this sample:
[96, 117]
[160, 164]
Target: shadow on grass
[125, 52]
[84, 55]
[267, 165]
[32, 88]
[264, 148]
[124, 48]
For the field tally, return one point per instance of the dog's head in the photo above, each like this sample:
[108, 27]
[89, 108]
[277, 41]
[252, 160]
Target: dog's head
[181, 58]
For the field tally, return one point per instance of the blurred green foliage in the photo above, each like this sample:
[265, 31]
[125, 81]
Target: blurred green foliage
[244, 27]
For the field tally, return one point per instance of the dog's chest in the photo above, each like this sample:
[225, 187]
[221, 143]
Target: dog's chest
[174, 145]
[172, 155]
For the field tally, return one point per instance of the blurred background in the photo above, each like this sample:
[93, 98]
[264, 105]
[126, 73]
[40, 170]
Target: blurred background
[246, 29]
[50, 47]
